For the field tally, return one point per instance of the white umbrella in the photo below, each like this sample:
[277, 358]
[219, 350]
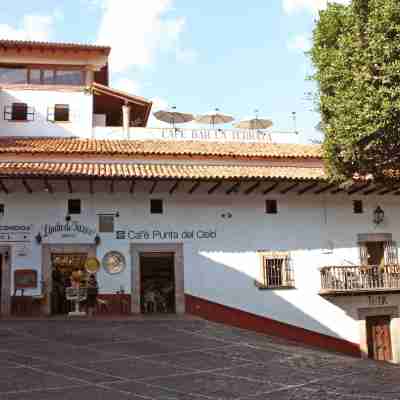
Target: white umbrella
[254, 123]
[214, 118]
[173, 117]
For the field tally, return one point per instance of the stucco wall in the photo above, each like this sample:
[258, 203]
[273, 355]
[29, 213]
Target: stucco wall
[81, 110]
[223, 269]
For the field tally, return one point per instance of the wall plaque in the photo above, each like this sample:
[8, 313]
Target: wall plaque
[25, 278]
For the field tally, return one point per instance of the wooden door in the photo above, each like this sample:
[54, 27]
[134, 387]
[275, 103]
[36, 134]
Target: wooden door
[375, 253]
[378, 336]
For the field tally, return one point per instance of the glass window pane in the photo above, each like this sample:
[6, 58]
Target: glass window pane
[13, 75]
[69, 77]
[48, 76]
[34, 76]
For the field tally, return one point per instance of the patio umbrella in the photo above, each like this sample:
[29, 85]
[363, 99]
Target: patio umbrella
[173, 117]
[254, 123]
[214, 118]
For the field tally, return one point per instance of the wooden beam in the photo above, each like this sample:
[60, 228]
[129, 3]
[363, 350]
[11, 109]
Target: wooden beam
[174, 187]
[326, 188]
[337, 190]
[112, 186]
[215, 187]
[194, 187]
[252, 188]
[91, 191]
[307, 188]
[27, 187]
[233, 188]
[153, 187]
[132, 187]
[288, 189]
[70, 190]
[3, 187]
[47, 186]
[358, 189]
[271, 188]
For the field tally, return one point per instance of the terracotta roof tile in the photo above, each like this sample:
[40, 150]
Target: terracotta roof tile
[74, 146]
[160, 171]
[5, 43]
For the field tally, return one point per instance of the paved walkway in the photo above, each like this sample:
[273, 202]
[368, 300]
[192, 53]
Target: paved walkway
[175, 359]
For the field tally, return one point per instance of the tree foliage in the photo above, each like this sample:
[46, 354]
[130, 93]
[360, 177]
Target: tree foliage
[356, 54]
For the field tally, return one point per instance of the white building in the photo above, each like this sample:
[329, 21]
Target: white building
[247, 233]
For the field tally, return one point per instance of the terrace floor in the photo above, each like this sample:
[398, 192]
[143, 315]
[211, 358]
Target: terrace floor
[185, 359]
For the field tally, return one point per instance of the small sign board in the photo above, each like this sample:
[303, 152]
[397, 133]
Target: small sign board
[25, 278]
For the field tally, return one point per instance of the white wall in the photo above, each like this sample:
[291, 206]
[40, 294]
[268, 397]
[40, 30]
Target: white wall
[81, 110]
[224, 269]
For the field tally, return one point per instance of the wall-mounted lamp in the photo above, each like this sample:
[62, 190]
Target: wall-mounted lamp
[97, 240]
[379, 215]
[67, 218]
[38, 238]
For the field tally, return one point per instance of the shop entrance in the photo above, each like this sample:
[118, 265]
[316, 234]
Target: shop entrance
[157, 284]
[62, 267]
[378, 338]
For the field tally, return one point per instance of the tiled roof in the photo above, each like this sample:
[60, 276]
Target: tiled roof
[161, 171]
[5, 43]
[75, 146]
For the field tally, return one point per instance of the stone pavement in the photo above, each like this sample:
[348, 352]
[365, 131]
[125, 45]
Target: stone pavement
[185, 359]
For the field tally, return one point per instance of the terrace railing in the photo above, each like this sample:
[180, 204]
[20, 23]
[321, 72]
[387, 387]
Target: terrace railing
[368, 278]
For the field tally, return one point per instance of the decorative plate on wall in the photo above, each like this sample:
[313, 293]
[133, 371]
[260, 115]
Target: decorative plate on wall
[114, 262]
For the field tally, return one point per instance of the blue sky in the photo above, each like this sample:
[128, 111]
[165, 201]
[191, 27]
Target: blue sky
[197, 55]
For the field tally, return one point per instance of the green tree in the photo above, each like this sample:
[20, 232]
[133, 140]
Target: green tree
[356, 55]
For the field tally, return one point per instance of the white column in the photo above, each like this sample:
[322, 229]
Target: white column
[126, 117]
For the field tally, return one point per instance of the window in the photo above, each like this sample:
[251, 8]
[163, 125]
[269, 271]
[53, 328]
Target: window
[13, 75]
[271, 207]
[358, 207]
[19, 112]
[1, 210]
[276, 270]
[74, 206]
[61, 113]
[69, 77]
[106, 223]
[47, 76]
[156, 206]
[35, 76]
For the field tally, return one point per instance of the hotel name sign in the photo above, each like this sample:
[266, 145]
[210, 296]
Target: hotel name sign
[166, 235]
[70, 229]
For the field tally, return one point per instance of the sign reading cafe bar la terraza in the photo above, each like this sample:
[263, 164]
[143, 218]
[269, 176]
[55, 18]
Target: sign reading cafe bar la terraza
[166, 235]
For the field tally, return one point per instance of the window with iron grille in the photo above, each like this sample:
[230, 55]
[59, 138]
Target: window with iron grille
[276, 270]
[18, 112]
[106, 223]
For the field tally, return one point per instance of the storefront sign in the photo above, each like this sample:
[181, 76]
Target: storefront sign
[15, 233]
[379, 300]
[70, 229]
[166, 235]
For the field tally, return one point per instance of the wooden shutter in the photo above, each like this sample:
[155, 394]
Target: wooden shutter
[391, 253]
[363, 253]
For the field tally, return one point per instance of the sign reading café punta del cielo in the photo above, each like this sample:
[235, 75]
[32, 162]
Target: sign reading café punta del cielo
[217, 221]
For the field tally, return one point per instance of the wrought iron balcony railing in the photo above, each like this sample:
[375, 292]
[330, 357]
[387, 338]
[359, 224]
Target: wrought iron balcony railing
[368, 278]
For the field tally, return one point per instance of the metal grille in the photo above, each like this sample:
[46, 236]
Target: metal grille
[278, 272]
[19, 112]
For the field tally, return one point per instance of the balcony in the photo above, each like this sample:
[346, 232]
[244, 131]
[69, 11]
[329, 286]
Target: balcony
[358, 279]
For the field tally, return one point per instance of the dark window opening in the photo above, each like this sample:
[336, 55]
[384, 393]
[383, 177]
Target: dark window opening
[106, 223]
[74, 206]
[61, 113]
[358, 207]
[271, 207]
[19, 112]
[1, 210]
[156, 206]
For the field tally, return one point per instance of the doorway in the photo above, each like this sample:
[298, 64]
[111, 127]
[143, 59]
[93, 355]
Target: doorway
[157, 284]
[62, 266]
[376, 252]
[378, 338]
